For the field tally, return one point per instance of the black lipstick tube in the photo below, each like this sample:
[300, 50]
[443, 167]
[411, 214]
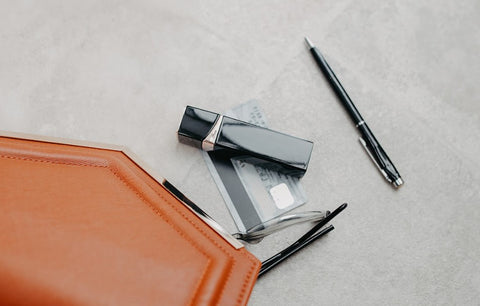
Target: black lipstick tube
[211, 131]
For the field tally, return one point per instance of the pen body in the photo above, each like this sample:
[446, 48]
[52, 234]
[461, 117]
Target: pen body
[336, 86]
[368, 140]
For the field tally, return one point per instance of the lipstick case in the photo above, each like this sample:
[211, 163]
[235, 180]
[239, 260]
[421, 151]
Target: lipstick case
[210, 131]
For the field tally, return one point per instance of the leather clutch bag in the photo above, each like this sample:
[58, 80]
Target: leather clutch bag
[85, 224]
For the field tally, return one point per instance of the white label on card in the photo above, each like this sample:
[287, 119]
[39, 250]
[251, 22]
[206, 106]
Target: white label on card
[282, 196]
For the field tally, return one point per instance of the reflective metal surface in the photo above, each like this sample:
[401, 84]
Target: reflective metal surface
[208, 144]
[257, 233]
[398, 182]
[202, 215]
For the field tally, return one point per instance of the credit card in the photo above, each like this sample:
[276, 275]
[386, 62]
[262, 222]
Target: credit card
[252, 193]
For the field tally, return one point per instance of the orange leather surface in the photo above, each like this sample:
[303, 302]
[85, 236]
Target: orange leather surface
[82, 226]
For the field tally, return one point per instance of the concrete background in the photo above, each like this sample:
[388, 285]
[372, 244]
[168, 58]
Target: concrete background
[122, 72]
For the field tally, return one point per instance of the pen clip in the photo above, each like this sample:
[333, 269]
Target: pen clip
[364, 145]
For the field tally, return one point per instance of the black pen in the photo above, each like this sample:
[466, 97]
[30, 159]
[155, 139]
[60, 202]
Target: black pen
[368, 141]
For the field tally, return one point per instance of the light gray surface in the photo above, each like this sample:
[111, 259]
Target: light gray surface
[121, 72]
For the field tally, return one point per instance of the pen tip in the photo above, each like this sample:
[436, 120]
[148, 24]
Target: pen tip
[309, 43]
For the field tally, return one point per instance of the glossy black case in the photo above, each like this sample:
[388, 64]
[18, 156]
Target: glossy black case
[278, 151]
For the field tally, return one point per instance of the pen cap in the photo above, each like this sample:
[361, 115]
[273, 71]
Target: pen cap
[195, 126]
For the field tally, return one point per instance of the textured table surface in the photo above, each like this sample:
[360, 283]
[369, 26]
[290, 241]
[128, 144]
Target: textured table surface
[122, 72]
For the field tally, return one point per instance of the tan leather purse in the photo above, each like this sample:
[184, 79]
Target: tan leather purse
[86, 224]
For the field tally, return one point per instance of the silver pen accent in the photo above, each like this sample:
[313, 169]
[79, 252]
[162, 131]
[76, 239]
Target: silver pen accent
[360, 123]
[398, 182]
[364, 145]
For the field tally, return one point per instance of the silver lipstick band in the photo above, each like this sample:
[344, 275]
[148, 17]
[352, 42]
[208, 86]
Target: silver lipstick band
[208, 143]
